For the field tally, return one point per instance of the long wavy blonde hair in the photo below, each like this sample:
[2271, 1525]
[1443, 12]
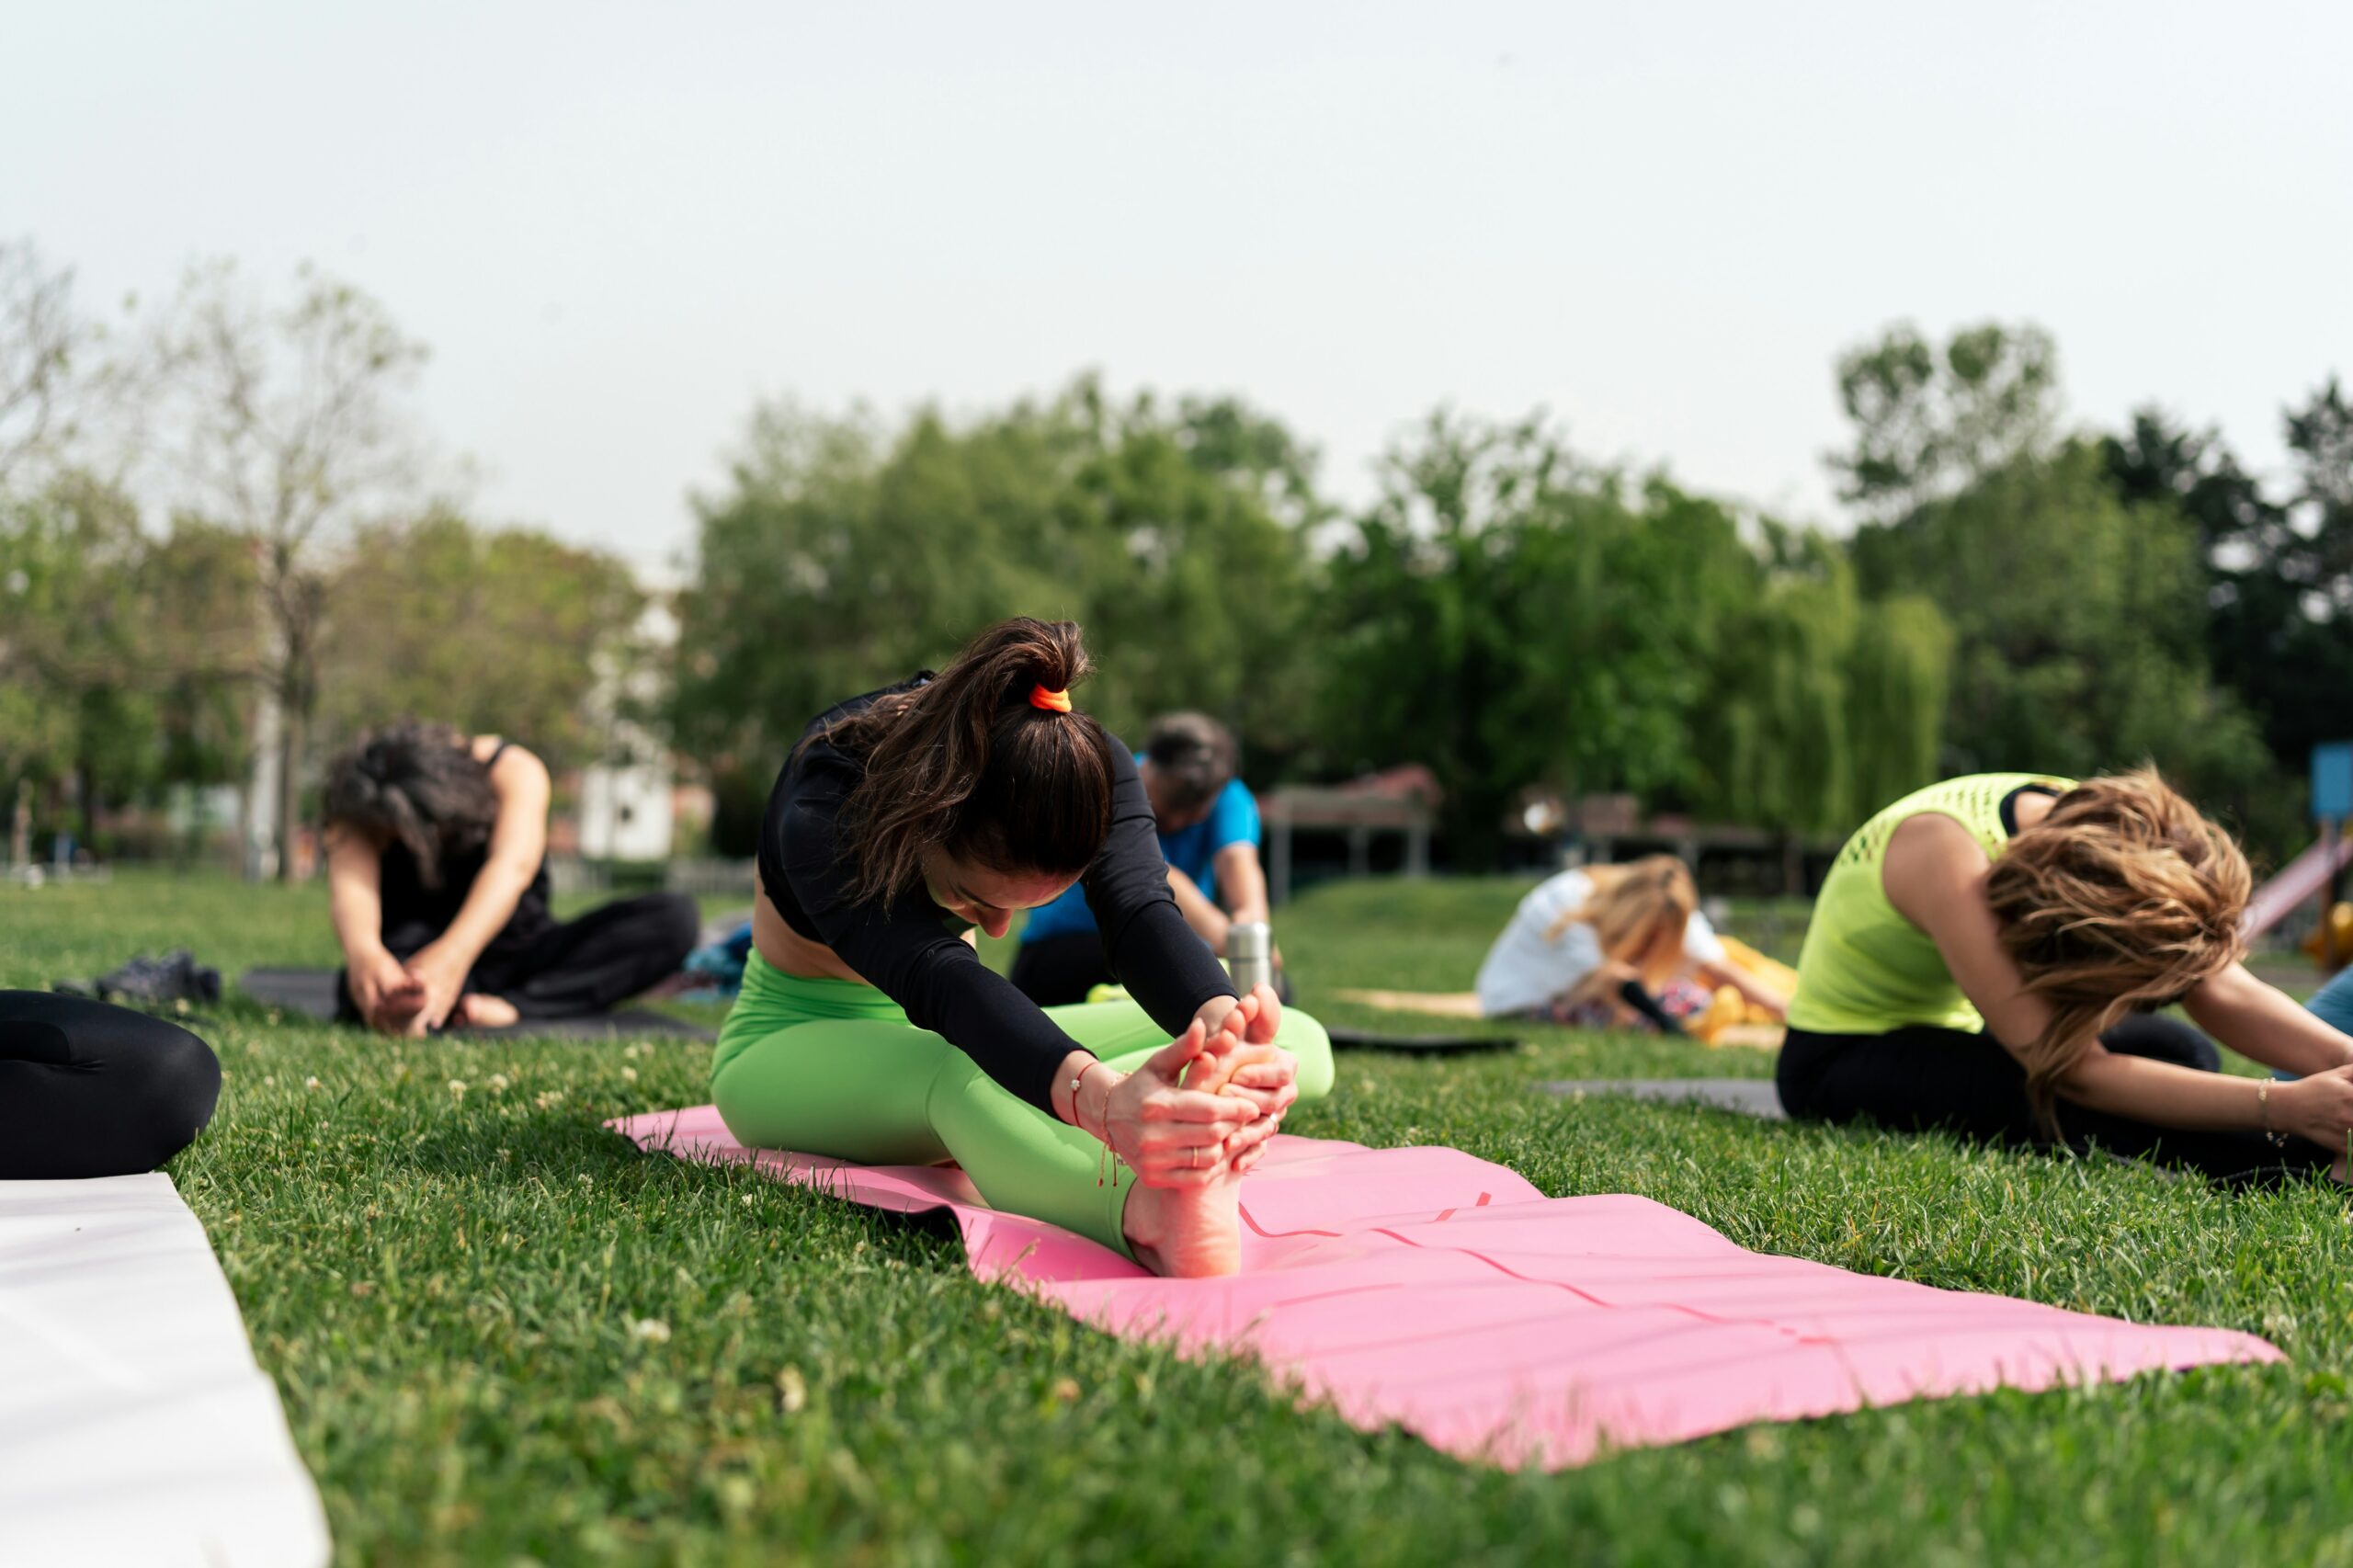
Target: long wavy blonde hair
[2122, 899]
[1638, 912]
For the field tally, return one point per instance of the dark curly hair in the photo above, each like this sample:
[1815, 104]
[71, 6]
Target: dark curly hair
[419, 785]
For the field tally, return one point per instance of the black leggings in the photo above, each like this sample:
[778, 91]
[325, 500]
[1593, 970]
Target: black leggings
[87, 1089]
[1055, 972]
[1920, 1077]
[608, 955]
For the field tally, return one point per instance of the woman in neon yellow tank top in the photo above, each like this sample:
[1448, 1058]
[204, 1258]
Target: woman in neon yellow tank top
[1988, 956]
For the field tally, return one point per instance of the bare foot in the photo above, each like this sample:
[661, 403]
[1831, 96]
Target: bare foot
[396, 1013]
[1186, 1232]
[1211, 1073]
[478, 1011]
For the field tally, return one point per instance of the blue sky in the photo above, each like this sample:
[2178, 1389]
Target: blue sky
[618, 226]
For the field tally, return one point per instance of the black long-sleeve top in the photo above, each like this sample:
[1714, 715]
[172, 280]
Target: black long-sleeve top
[914, 951]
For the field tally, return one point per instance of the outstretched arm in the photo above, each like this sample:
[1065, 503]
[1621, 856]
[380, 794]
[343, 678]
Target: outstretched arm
[519, 840]
[355, 894]
[381, 987]
[1747, 984]
[2258, 1021]
[1207, 920]
[1242, 883]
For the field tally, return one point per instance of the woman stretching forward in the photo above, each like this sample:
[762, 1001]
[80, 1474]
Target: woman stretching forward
[437, 882]
[868, 1030]
[1986, 955]
[1608, 947]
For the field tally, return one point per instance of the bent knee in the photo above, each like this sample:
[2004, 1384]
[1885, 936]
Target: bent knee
[675, 925]
[169, 1093]
[755, 1114]
[1311, 1044]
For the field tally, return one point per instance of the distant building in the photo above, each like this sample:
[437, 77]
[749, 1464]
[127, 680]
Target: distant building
[626, 808]
[625, 811]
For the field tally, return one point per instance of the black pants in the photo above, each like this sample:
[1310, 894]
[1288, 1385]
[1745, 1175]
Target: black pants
[572, 967]
[1920, 1077]
[87, 1089]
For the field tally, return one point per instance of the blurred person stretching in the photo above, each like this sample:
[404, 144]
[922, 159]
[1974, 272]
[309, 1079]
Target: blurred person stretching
[438, 876]
[1992, 956]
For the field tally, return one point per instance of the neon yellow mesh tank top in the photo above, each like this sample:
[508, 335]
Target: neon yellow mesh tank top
[1867, 970]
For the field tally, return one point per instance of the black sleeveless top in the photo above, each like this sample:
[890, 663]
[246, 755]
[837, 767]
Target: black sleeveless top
[411, 908]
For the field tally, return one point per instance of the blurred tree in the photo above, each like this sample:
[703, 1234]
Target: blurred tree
[1827, 705]
[497, 631]
[71, 646]
[288, 423]
[1931, 421]
[1512, 617]
[1422, 610]
[842, 556]
[2075, 573]
[113, 643]
[2081, 626]
[2316, 555]
[197, 588]
[41, 342]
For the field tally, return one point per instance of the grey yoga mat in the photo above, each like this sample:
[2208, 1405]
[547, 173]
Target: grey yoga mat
[313, 991]
[1747, 1096]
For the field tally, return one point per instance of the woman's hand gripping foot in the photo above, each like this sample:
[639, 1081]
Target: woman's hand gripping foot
[1183, 1220]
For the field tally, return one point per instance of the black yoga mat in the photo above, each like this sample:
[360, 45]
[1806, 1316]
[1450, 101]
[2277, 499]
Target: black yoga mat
[1344, 1039]
[311, 991]
[1747, 1096]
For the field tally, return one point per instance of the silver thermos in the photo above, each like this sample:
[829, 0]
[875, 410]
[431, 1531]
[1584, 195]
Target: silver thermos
[1250, 954]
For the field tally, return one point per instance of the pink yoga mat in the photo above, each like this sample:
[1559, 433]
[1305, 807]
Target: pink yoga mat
[1439, 1292]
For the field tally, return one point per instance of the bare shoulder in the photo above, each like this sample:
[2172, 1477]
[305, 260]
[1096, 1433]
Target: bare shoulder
[1931, 860]
[515, 766]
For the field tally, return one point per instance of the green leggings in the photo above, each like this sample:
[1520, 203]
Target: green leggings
[833, 1067]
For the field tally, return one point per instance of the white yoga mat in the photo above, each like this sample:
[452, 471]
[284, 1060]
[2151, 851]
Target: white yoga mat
[135, 1426]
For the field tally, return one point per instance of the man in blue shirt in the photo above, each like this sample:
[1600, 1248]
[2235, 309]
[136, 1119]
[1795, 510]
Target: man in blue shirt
[1209, 834]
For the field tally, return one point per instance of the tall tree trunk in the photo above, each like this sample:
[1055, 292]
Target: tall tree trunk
[294, 714]
[261, 795]
[86, 794]
[300, 599]
[290, 746]
[20, 825]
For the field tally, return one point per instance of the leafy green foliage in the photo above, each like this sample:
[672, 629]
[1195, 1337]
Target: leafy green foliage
[840, 559]
[1929, 421]
[120, 653]
[2079, 614]
[499, 631]
[1513, 618]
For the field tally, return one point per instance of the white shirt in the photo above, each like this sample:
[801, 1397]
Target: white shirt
[1523, 971]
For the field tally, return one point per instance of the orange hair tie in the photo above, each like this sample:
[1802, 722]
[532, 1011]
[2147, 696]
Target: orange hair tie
[1051, 701]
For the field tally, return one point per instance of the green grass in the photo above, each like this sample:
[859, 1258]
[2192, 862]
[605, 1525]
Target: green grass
[448, 1288]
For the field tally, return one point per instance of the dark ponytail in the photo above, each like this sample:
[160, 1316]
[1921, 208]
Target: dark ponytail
[969, 763]
[418, 785]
